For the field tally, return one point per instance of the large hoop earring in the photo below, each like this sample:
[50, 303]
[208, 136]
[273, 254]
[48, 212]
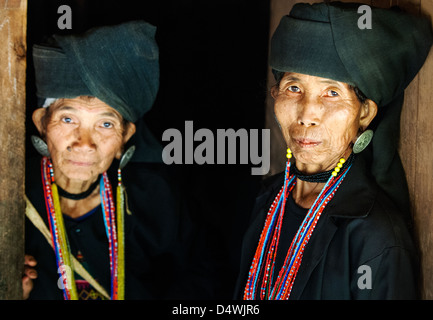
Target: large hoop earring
[121, 191]
[126, 157]
[363, 141]
[41, 146]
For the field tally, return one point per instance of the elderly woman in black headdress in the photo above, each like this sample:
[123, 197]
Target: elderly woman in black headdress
[334, 225]
[98, 227]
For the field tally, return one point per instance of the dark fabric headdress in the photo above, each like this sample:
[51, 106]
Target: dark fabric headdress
[324, 40]
[117, 64]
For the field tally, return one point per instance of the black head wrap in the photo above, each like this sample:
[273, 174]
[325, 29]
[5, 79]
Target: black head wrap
[117, 64]
[324, 40]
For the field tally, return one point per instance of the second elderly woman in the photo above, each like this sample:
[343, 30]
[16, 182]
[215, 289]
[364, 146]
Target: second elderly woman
[333, 225]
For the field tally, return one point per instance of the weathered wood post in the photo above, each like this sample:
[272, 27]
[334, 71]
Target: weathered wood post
[13, 22]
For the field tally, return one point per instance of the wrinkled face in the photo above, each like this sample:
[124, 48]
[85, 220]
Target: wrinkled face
[319, 118]
[83, 136]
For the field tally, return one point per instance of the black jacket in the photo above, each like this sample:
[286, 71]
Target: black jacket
[359, 231]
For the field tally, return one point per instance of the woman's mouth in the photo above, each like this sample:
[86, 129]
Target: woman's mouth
[307, 143]
[81, 163]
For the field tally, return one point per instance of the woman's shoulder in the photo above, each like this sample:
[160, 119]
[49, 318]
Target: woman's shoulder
[389, 221]
[367, 216]
[383, 229]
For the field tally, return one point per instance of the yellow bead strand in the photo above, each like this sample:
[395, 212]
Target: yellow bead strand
[289, 153]
[338, 167]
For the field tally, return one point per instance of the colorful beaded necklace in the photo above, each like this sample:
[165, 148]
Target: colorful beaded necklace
[60, 239]
[261, 274]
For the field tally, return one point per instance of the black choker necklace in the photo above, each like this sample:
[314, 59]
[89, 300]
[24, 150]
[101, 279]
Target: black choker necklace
[79, 196]
[320, 177]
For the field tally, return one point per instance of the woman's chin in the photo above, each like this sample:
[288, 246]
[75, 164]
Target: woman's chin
[80, 174]
[308, 157]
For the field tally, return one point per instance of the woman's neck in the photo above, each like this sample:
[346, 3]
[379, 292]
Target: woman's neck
[74, 186]
[305, 193]
[77, 208]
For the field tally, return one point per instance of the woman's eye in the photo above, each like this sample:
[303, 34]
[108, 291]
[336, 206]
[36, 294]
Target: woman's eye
[67, 120]
[333, 93]
[107, 125]
[294, 89]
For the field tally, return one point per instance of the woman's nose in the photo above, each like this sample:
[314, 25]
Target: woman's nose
[84, 141]
[309, 112]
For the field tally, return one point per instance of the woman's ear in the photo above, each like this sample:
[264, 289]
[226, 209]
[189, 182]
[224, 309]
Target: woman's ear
[129, 132]
[368, 112]
[37, 118]
[274, 91]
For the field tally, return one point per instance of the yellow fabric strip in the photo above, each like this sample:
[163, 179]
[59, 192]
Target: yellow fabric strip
[120, 244]
[63, 240]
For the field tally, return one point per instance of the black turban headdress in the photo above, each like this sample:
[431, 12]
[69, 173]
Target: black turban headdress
[324, 40]
[117, 64]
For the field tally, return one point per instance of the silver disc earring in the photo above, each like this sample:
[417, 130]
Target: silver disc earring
[363, 141]
[126, 157]
[40, 145]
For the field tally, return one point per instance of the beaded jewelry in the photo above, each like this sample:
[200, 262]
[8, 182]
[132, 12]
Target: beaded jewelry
[260, 278]
[60, 239]
[323, 177]
[338, 167]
